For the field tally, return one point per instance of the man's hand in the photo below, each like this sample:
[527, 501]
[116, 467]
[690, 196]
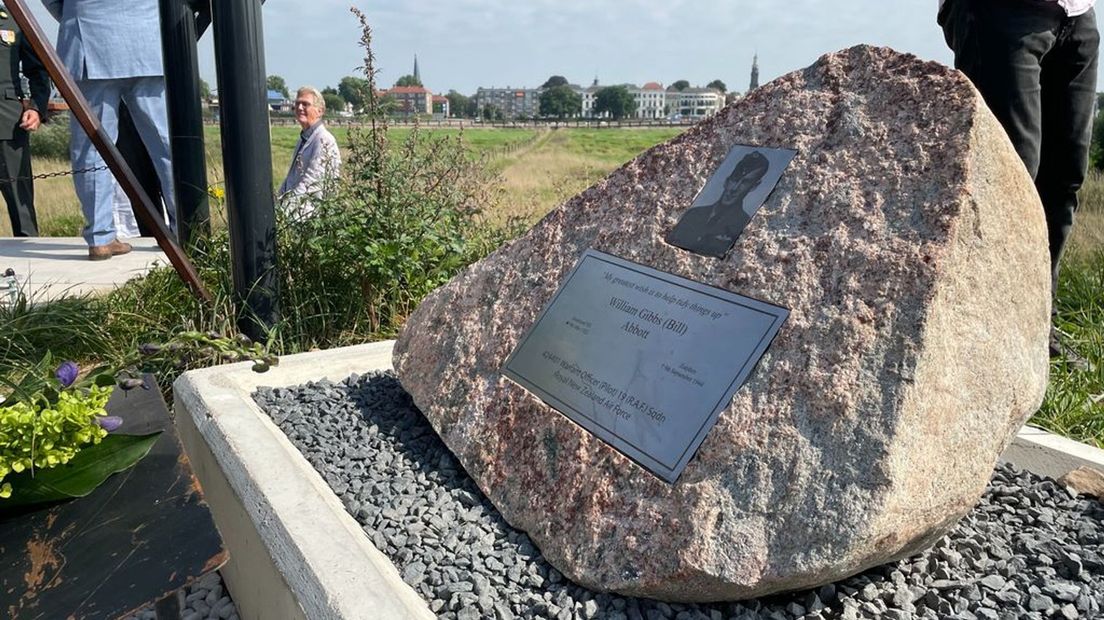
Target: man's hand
[31, 120]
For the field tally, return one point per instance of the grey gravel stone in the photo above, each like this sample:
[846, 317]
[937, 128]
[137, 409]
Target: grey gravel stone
[205, 599]
[1028, 550]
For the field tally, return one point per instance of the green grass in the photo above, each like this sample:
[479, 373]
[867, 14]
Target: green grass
[615, 146]
[491, 143]
[561, 163]
[1074, 404]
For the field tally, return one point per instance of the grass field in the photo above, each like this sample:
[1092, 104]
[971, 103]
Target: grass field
[561, 163]
[539, 168]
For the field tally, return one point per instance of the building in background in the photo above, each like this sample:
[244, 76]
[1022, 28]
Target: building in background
[508, 103]
[277, 102]
[411, 101]
[440, 107]
[695, 103]
[651, 101]
[588, 94]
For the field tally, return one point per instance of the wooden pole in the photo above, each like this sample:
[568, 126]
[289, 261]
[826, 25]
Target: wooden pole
[79, 108]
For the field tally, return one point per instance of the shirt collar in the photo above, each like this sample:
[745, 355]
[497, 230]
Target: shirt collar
[309, 131]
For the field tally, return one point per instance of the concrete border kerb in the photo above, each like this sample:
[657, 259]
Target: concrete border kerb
[294, 550]
[305, 557]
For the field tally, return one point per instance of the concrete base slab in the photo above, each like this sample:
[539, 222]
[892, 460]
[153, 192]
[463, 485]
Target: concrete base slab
[1051, 455]
[48, 268]
[294, 550]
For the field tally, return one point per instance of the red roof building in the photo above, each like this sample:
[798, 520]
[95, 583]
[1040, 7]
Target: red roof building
[411, 100]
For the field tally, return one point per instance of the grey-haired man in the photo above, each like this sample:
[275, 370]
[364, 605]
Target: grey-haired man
[316, 159]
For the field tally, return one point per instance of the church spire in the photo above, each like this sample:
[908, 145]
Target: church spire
[417, 76]
[754, 73]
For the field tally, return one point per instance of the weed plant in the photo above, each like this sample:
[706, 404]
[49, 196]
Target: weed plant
[69, 328]
[400, 222]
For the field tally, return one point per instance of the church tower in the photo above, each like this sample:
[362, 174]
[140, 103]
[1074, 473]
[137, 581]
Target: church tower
[754, 73]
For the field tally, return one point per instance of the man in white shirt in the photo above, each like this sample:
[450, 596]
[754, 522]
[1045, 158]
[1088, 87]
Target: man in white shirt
[1034, 62]
[317, 159]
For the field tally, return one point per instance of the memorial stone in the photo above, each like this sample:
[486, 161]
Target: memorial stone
[908, 245]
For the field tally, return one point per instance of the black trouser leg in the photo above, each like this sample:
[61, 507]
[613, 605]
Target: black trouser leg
[19, 194]
[1036, 70]
[1068, 99]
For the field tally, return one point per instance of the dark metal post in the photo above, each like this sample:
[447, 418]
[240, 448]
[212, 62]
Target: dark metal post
[247, 160]
[178, 43]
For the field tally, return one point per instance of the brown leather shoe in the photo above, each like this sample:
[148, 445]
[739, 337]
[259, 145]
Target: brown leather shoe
[106, 251]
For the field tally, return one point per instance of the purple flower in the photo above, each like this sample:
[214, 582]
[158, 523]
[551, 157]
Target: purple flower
[67, 373]
[109, 423]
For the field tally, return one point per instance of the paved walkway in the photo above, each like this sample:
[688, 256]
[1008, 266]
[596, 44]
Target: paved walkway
[52, 267]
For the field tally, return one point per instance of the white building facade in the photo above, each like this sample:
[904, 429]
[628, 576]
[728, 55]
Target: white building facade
[653, 102]
[695, 103]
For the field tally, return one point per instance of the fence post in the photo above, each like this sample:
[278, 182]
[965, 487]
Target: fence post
[247, 161]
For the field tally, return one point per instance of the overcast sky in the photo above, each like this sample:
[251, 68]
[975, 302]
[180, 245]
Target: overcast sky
[465, 44]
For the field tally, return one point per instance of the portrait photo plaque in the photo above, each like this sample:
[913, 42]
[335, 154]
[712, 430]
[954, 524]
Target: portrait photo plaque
[643, 359]
[730, 198]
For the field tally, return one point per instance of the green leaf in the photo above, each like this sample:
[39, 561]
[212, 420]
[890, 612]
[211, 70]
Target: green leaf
[80, 476]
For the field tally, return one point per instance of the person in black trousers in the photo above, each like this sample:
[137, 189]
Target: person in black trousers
[18, 116]
[1035, 62]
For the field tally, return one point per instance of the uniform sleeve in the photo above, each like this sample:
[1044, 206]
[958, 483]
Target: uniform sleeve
[37, 76]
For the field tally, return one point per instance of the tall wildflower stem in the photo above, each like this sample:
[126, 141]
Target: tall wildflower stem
[372, 158]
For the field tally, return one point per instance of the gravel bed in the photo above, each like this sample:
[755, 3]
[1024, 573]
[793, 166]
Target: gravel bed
[206, 599]
[1030, 549]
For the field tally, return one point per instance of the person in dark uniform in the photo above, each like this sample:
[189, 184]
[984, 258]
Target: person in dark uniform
[712, 229]
[18, 116]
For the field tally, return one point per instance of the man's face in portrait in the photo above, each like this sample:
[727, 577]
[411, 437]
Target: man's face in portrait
[739, 183]
[737, 187]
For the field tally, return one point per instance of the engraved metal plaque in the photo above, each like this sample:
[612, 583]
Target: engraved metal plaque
[643, 359]
[730, 198]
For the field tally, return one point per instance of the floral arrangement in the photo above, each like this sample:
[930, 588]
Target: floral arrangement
[46, 423]
[57, 440]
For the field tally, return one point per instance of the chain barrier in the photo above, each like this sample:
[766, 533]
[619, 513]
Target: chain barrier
[50, 175]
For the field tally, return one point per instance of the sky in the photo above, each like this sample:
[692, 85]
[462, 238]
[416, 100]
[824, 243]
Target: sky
[466, 44]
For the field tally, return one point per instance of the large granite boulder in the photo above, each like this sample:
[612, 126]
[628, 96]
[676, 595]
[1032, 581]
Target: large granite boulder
[909, 244]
